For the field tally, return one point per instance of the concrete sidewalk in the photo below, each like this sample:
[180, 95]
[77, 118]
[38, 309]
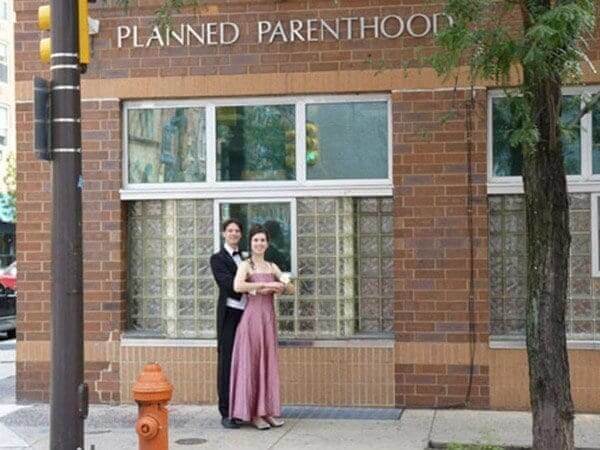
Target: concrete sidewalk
[306, 428]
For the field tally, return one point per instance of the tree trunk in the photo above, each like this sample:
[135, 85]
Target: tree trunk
[548, 241]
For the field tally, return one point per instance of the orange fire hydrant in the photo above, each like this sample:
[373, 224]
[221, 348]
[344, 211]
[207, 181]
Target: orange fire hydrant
[152, 392]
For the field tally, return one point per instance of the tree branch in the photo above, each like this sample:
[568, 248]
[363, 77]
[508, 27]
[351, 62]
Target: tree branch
[585, 110]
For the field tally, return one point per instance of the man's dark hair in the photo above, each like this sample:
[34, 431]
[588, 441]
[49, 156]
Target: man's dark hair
[229, 222]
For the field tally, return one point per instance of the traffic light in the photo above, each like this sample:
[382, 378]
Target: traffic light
[84, 33]
[312, 143]
[44, 25]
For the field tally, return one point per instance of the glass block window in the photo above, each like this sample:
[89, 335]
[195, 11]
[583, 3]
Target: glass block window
[171, 289]
[507, 159]
[344, 282]
[375, 247]
[347, 141]
[344, 285]
[507, 259]
[326, 287]
[256, 143]
[507, 247]
[166, 145]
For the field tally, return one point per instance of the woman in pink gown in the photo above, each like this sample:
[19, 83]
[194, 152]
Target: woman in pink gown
[254, 389]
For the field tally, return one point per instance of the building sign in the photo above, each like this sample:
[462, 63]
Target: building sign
[295, 30]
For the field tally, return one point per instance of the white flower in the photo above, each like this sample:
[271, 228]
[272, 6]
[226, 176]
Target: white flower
[285, 278]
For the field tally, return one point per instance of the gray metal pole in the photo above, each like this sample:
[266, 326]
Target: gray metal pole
[68, 402]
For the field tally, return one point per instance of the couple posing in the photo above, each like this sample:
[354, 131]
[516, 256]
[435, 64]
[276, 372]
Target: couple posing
[247, 367]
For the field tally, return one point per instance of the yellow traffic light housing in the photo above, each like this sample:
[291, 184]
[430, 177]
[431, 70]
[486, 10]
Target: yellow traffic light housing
[84, 33]
[44, 25]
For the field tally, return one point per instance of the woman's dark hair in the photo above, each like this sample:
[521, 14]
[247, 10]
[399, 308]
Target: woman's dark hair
[254, 230]
[234, 221]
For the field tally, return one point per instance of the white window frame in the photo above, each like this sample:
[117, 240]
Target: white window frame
[217, 221]
[586, 182]
[300, 187]
[594, 229]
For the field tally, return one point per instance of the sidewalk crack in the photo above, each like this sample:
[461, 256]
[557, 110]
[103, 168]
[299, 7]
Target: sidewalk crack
[284, 434]
[431, 427]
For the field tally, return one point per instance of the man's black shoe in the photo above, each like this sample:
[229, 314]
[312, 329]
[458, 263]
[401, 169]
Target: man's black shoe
[229, 423]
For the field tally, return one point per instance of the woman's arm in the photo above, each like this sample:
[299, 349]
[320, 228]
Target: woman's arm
[239, 282]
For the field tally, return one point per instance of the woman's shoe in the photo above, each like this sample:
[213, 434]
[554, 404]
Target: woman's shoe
[261, 424]
[273, 421]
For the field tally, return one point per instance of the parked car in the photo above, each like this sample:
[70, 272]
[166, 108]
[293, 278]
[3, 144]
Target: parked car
[8, 300]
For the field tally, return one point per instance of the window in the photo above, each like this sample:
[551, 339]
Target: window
[4, 10]
[316, 171]
[340, 248]
[508, 265]
[249, 148]
[3, 126]
[340, 136]
[166, 145]
[276, 217]
[3, 62]
[171, 291]
[507, 159]
[256, 143]
[596, 140]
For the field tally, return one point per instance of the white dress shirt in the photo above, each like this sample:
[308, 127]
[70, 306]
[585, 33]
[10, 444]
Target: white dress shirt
[232, 302]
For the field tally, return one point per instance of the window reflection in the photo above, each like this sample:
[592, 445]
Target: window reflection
[167, 145]
[256, 143]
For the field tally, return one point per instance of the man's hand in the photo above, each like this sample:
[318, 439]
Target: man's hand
[276, 286]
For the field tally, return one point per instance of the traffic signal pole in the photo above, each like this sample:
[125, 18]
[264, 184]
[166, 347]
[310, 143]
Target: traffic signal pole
[68, 396]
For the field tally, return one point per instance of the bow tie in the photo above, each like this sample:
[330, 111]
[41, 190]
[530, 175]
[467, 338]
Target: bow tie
[236, 252]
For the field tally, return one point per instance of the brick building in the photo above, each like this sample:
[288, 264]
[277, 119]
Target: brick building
[314, 116]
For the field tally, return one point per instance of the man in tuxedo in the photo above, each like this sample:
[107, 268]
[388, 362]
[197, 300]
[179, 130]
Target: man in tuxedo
[229, 310]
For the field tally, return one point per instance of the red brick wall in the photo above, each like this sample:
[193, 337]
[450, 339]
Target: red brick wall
[104, 247]
[432, 246]
[432, 241]
[246, 55]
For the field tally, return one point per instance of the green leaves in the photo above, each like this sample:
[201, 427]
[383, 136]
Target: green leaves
[555, 41]
[479, 38]
[488, 37]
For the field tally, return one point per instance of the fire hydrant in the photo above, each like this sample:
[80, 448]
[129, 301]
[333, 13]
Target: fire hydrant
[152, 392]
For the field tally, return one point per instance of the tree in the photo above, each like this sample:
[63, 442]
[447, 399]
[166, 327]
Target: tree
[10, 182]
[539, 46]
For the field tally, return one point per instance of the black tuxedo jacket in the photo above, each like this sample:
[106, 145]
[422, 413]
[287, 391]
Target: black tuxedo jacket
[223, 268]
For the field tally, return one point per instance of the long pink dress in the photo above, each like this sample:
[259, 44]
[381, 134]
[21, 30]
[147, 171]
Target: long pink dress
[254, 388]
